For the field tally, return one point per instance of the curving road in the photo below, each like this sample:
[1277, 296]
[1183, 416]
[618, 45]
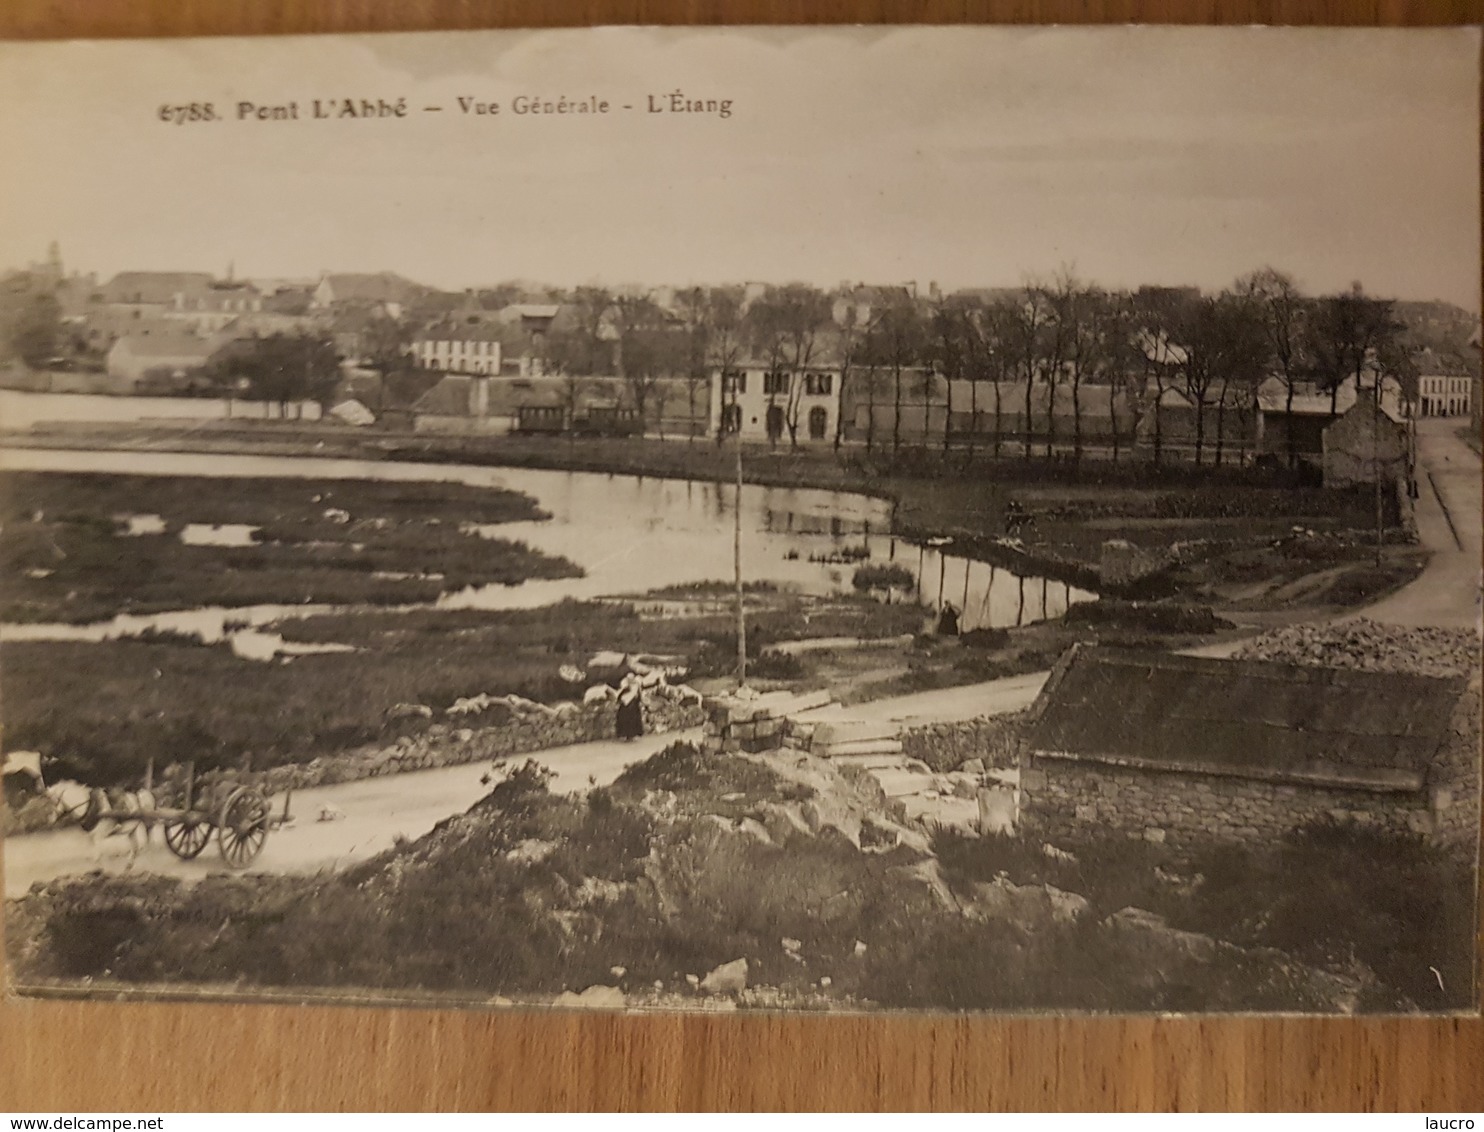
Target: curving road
[1450, 515]
[376, 811]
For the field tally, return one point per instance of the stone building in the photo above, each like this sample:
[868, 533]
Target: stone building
[1364, 443]
[1191, 750]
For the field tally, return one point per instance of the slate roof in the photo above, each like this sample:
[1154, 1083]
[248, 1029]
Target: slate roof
[1432, 363]
[449, 398]
[1251, 719]
[528, 310]
[165, 345]
[153, 286]
[1310, 401]
[453, 331]
[381, 287]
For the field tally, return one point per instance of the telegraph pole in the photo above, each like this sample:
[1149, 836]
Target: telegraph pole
[737, 564]
[1376, 459]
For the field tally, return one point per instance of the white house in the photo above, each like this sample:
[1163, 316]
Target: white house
[136, 356]
[775, 404]
[1444, 395]
[1445, 385]
[208, 309]
[458, 348]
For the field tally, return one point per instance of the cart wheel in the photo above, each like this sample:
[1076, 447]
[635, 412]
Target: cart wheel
[243, 826]
[187, 836]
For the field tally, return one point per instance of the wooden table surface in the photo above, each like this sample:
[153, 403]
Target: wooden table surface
[57, 1056]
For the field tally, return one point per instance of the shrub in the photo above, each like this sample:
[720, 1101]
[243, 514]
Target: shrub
[775, 665]
[1333, 890]
[985, 638]
[882, 576]
[680, 766]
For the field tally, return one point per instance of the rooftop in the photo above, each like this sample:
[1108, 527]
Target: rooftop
[1246, 718]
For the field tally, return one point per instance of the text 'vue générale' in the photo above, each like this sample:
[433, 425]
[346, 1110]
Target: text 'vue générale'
[676, 102]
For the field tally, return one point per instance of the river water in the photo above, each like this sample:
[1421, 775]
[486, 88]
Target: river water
[630, 534]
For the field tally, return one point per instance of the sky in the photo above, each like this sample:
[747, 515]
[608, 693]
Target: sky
[961, 156]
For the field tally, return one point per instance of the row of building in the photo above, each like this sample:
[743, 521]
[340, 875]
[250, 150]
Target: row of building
[156, 330]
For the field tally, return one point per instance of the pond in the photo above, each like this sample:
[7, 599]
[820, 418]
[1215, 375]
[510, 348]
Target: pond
[630, 534]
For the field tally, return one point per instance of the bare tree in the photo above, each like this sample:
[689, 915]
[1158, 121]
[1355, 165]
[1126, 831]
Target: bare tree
[948, 352]
[580, 343]
[1159, 358]
[692, 305]
[726, 342]
[1283, 312]
[1344, 332]
[902, 340]
[1063, 302]
[848, 349]
[1221, 351]
[1241, 360]
[646, 347]
[869, 350]
[789, 320]
[1025, 324]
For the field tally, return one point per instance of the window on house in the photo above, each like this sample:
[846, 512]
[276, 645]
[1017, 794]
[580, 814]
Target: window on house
[775, 382]
[731, 418]
[819, 384]
[734, 381]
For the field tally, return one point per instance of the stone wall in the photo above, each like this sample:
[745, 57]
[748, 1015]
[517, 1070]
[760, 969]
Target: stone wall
[1454, 781]
[947, 746]
[1062, 798]
[443, 744]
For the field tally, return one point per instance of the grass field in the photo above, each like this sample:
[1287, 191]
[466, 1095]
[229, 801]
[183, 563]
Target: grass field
[100, 711]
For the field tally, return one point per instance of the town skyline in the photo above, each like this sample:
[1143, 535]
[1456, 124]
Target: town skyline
[969, 157]
[921, 289]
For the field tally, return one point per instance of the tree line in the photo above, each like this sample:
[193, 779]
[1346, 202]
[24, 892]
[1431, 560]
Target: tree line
[982, 361]
[1045, 344]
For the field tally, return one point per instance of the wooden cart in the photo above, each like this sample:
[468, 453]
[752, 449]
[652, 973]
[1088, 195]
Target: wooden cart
[239, 816]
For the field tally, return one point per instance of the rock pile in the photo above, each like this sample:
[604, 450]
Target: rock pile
[753, 722]
[1371, 646]
[949, 774]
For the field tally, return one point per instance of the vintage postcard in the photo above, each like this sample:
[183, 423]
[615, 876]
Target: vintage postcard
[830, 519]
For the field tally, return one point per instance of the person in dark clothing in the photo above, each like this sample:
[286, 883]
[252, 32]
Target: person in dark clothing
[630, 723]
[948, 621]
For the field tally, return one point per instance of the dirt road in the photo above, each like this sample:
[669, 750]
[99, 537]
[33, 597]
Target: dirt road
[376, 812]
[1449, 522]
[379, 810]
